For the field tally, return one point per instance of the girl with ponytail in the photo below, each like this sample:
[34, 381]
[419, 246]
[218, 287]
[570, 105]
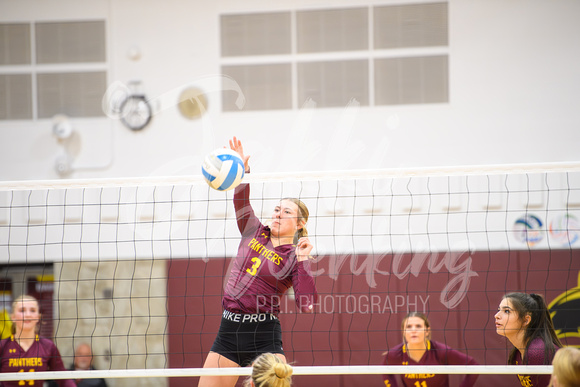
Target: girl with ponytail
[272, 257]
[524, 319]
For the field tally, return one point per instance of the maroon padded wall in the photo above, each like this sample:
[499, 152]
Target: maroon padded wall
[361, 307]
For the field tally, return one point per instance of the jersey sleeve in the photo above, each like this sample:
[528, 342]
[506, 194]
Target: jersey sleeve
[389, 380]
[247, 220]
[304, 288]
[55, 364]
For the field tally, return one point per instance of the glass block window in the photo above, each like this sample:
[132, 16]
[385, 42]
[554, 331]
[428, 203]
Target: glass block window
[333, 83]
[379, 55]
[73, 94]
[16, 97]
[265, 87]
[255, 34]
[70, 42]
[55, 78]
[14, 44]
[411, 80]
[412, 25]
[332, 30]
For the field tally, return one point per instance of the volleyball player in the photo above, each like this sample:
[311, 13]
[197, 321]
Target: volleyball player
[418, 349]
[566, 368]
[524, 319]
[270, 260]
[25, 351]
[269, 370]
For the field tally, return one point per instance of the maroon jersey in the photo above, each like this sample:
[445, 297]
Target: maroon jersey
[262, 273]
[41, 356]
[436, 354]
[536, 356]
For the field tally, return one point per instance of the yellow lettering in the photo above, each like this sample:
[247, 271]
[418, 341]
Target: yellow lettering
[419, 376]
[525, 381]
[254, 269]
[264, 251]
[23, 382]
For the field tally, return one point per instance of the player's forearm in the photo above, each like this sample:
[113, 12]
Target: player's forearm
[245, 216]
[304, 287]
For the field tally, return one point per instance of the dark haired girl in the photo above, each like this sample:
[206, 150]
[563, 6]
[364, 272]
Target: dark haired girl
[524, 319]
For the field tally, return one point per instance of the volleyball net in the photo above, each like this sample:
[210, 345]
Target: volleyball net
[136, 267]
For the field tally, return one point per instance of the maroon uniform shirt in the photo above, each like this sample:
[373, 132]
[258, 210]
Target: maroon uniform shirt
[436, 354]
[41, 356]
[262, 273]
[536, 356]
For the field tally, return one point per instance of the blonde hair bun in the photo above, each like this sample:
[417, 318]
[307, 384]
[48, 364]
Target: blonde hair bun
[282, 370]
[269, 370]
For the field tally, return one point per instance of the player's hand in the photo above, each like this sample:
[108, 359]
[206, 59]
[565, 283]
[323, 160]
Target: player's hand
[303, 249]
[236, 145]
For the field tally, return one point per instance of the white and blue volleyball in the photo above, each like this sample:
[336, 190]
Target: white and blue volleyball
[223, 169]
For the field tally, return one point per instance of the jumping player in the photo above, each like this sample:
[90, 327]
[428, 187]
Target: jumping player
[25, 351]
[418, 349]
[270, 260]
[524, 319]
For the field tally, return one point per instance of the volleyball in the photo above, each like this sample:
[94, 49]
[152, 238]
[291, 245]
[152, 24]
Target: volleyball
[223, 169]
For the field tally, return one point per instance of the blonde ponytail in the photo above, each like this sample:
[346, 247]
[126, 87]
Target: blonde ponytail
[269, 370]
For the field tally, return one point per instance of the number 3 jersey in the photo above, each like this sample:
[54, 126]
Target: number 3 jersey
[436, 354]
[43, 355]
[262, 273]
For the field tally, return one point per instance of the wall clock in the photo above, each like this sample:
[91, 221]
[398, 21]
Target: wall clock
[135, 112]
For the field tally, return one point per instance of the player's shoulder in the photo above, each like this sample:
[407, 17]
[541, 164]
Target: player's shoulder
[6, 341]
[536, 351]
[395, 352]
[536, 344]
[47, 343]
[437, 345]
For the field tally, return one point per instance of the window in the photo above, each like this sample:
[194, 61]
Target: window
[66, 73]
[332, 30]
[255, 34]
[412, 25]
[411, 80]
[334, 83]
[332, 56]
[265, 86]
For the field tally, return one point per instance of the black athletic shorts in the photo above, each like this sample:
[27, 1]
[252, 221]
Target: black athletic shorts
[244, 337]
